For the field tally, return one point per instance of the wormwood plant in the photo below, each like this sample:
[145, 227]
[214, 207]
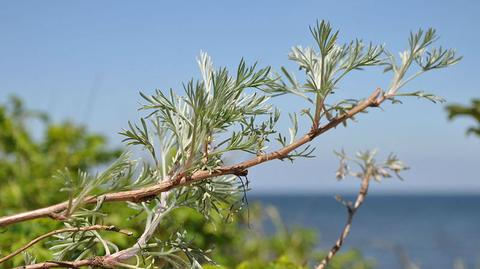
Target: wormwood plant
[187, 137]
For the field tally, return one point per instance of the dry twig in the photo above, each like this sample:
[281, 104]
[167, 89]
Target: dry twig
[352, 209]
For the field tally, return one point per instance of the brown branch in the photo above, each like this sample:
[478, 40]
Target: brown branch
[65, 230]
[352, 209]
[374, 100]
[93, 262]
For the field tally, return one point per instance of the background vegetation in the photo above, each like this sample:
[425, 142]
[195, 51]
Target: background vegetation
[469, 111]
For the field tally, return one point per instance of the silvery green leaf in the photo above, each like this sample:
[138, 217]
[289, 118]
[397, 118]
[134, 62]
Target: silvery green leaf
[28, 258]
[293, 130]
[421, 94]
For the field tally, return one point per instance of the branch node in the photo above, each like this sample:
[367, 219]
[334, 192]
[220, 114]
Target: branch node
[57, 216]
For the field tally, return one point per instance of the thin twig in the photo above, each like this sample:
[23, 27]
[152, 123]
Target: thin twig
[352, 209]
[94, 262]
[206, 148]
[65, 230]
[182, 179]
[318, 111]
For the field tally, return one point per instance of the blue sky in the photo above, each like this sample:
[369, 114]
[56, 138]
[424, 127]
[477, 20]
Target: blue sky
[87, 60]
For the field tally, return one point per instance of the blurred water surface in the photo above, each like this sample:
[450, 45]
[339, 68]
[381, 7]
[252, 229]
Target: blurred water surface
[434, 231]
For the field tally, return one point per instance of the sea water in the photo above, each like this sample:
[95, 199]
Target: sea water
[433, 231]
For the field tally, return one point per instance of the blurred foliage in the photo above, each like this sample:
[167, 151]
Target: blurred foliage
[472, 111]
[26, 167]
[27, 164]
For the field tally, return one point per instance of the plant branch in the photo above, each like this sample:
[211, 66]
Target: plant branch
[318, 110]
[352, 209]
[114, 260]
[93, 262]
[65, 230]
[141, 243]
[182, 179]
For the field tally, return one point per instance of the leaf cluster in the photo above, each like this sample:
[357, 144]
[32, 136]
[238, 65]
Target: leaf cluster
[366, 162]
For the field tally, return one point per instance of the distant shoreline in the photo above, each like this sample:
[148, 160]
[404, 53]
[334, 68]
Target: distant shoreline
[254, 194]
